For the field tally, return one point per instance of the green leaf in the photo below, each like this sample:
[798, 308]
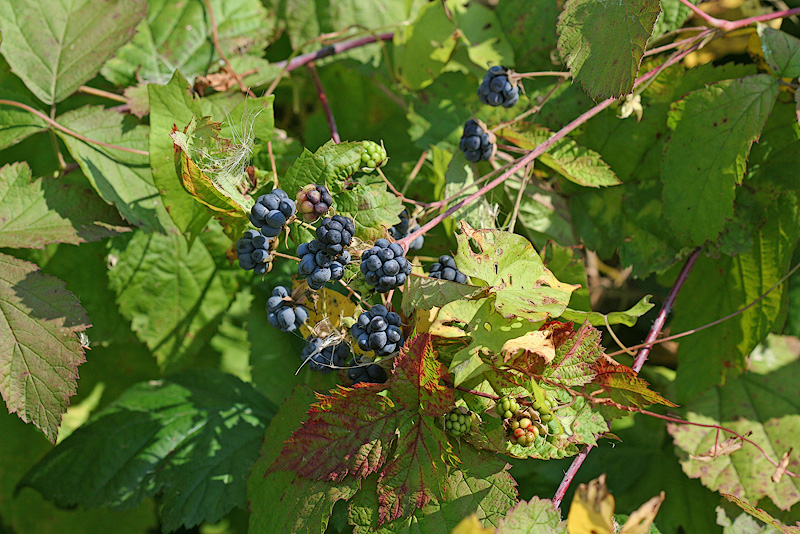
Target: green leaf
[575, 163]
[706, 156]
[40, 350]
[522, 285]
[330, 165]
[172, 293]
[422, 49]
[16, 124]
[628, 317]
[603, 43]
[459, 184]
[192, 437]
[766, 405]
[57, 46]
[120, 178]
[36, 213]
[171, 105]
[531, 30]
[479, 27]
[543, 214]
[781, 51]
[537, 516]
[716, 288]
[284, 501]
[160, 45]
[425, 293]
[759, 514]
[673, 15]
[480, 484]
[373, 209]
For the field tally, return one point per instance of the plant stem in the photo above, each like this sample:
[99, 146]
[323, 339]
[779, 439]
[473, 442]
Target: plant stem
[397, 193]
[415, 171]
[99, 92]
[218, 47]
[67, 131]
[324, 99]
[338, 48]
[729, 25]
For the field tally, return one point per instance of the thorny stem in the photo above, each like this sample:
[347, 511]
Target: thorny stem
[729, 25]
[67, 131]
[218, 47]
[324, 100]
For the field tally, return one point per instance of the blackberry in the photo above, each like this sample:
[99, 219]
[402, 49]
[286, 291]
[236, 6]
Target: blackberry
[314, 201]
[378, 330]
[446, 270]
[318, 266]
[477, 142]
[283, 313]
[335, 233]
[384, 266]
[373, 156]
[401, 229]
[253, 251]
[271, 211]
[497, 90]
[323, 357]
[367, 374]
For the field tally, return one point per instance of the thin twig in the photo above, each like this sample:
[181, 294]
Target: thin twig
[272, 163]
[616, 339]
[324, 99]
[517, 203]
[67, 131]
[729, 25]
[85, 89]
[338, 48]
[570, 474]
[397, 193]
[287, 256]
[542, 73]
[415, 170]
[218, 47]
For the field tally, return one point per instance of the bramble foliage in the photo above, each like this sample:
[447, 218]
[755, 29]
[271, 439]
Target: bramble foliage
[421, 229]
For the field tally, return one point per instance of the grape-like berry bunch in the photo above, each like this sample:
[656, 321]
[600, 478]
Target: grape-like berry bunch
[335, 233]
[446, 270]
[477, 142]
[507, 407]
[271, 211]
[283, 313]
[367, 374]
[318, 266]
[373, 156]
[497, 90]
[253, 251]
[378, 330]
[401, 229]
[524, 431]
[384, 266]
[324, 357]
[314, 201]
[458, 421]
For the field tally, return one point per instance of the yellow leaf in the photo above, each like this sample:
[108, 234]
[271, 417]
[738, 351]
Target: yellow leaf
[327, 313]
[536, 342]
[471, 525]
[639, 521]
[592, 510]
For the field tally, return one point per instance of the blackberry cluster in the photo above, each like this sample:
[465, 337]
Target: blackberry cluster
[253, 251]
[324, 358]
[459, 421]
[283, 313]
[378, 330]
[401, 229]
[314, 201]
[477, 142]
[373, 156]
[271, 211]
[335, 233]
[367, 374]
[384, 266]
[446, 270]
[318, 266]
[497, 90]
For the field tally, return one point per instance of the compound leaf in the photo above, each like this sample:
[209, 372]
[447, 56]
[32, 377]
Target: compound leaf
[36, 213]
[706, 156]
[603, 43]
[57, 46]
[193, 436]
[39, 349]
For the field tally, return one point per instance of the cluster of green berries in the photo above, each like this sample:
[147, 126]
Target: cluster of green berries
[507, 407]
[524, 431]
[459, 421]
[373, 156]
[525, 426]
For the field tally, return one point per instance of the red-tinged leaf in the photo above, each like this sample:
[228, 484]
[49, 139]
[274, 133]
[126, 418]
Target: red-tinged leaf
[39, 347]
[625, 381]
[761, 515]
[576, 355]
[417, 381]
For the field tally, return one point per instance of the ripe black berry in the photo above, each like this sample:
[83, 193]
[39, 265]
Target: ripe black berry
[283, 313]
[497, 90]
[314, 201]
[378, 330]
[401, 229]
[253, 251]
[324, 356]
[335, 233]
[446, 270]
[477, 142]
[271, 211]
[384, 266]
[319, 266]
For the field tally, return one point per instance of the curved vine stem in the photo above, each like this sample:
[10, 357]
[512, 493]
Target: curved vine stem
[729, 25]
[312, 69]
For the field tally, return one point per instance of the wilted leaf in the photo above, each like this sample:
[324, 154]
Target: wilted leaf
[733, 443]
[642, 519]
[471, 525]
[783, 464]
[36, 213]
[57, 46]
[577, 353]
[39, 347]
[592, 509]
[193, 437]
[532, 344]
[625, 386]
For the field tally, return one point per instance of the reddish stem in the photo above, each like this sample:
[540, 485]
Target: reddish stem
[324, 99]
[338, 48]
[729, 25]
